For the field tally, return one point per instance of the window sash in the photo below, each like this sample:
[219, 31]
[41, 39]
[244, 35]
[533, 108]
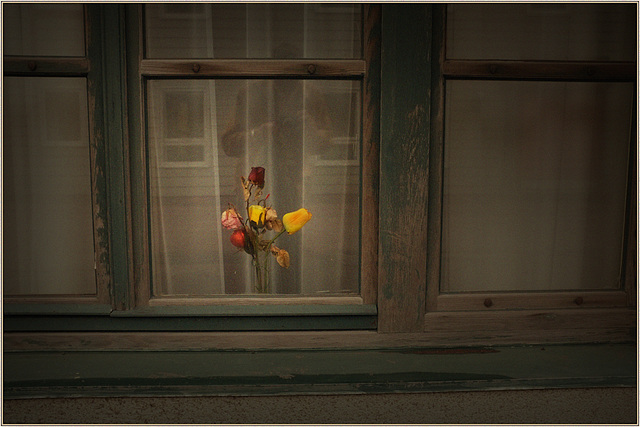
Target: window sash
[90, 68]
[146, 69]
[583, 71]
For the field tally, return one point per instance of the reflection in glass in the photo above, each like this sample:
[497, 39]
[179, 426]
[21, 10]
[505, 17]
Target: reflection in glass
[304, 133]
[542, 31]
[293, 30]
[535, 178]
[43, 29]
[47, 230]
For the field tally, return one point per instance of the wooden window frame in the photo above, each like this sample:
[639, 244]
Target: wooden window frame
[402, 146]
[89, 67]
[502, 315]
[142, 69]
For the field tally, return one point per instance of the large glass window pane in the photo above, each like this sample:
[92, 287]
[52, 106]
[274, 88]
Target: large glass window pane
[205, 134]
[189, 30]
[542, 31]
[47, 229]
[43, 29]
[535, 178]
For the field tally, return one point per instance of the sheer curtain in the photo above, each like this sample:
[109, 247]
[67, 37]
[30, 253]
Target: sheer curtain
[306, 134]
[535, 173]
[47, 215]
[47, 232]
[534, 201]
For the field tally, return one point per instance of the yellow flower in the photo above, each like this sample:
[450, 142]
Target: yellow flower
[257, 215]
[293, 221]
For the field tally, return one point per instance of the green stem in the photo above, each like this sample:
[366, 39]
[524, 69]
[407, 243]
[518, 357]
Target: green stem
[266, 258]
[274, 239]
[256, 261]
[267, 269]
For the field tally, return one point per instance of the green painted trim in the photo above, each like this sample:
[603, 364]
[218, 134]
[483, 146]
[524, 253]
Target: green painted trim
[137, 168]
[251, 310]
[55, 309]
[274, 322]
[154, 373]
[115, 135]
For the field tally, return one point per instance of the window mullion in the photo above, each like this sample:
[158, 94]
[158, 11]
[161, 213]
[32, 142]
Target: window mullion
[110, 152]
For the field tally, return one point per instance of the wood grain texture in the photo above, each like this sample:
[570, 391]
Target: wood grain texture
[436, 157]
[252, 68]
[255, 300]
[98, 152]
[444, 330]
[540, 70]
[530, 300]
[42, 66]
[370, 157]
[404, 149]
[139, 214]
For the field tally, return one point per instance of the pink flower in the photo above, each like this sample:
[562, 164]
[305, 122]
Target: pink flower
[231, 220]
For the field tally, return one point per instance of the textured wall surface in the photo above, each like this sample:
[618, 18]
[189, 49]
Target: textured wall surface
[551, 406]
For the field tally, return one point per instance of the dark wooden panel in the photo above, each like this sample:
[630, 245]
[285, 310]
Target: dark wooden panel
[404, 148]
[535, 70]
[371, 156]
[39, 66]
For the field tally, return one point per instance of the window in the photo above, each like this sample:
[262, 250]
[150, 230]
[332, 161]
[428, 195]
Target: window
[463, 189]
[129, 163]
[457, 174]
[532, 186]
[54, 231]
[230, 87]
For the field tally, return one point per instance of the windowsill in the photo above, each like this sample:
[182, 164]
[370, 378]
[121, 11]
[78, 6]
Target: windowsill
[289, 317]
[279, 371]
[251, 310]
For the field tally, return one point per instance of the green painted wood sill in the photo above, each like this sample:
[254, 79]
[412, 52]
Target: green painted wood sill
[265, 372]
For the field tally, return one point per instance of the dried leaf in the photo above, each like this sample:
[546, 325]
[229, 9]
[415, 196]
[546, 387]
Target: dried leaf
[276, 225]
[283, 258]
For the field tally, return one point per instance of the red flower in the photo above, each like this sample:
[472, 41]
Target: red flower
[238, 238]
[256, 176]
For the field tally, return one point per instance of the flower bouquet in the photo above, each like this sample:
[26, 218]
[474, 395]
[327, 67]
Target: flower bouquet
[251, 234]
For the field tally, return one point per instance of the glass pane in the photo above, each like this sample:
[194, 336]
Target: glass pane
[43, 29]
[47, 230]
[535, 178]
[542, 31]
[253, 30]
[205, 135]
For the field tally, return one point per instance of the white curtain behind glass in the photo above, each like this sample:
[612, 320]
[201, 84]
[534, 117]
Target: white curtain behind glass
[535, 177]
[304, 133]
[47, 216]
